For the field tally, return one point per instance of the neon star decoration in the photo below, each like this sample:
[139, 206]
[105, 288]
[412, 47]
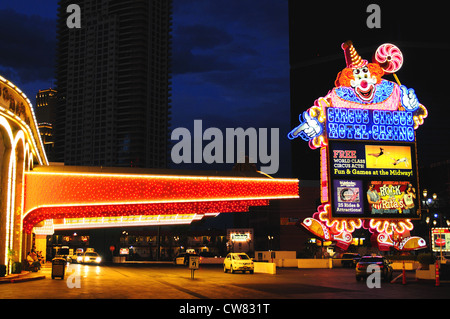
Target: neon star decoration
[362, 107]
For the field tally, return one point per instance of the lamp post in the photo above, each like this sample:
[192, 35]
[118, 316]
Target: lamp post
[434, 217]
[269, 238]
[429, 203]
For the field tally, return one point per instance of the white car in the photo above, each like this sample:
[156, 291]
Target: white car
[74, 258]
[238, 262]
[89, 258]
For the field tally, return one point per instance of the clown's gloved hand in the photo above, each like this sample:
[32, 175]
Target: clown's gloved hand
[409, 99]
[309, 128]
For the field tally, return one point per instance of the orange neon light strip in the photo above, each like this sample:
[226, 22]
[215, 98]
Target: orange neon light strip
[200, 208]
[59, 189]
[72, 195]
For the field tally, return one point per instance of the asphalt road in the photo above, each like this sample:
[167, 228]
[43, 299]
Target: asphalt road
[125, 290]
[107, 289]
[167, 281]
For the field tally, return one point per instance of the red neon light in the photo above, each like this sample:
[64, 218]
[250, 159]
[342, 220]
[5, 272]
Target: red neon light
[90, 189]
[323, 175]
[59, 195]
[87, 211]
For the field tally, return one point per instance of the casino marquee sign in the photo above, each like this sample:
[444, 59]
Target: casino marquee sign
[365, 131]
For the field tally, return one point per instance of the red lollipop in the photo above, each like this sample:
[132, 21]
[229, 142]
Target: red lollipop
[389, 57]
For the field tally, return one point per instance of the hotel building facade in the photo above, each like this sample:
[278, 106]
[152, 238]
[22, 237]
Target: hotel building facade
[114, 84]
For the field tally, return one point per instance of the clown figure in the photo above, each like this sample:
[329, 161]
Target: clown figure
[361, 86]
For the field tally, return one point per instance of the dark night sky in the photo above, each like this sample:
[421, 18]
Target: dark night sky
[231, 58]
[230, 61]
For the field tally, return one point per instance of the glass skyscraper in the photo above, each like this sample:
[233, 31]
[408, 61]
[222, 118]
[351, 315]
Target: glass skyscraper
[114, 84]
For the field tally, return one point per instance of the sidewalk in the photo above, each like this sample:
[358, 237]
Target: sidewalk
[25, 276]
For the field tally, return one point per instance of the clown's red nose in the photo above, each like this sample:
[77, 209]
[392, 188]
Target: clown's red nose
[364, 84]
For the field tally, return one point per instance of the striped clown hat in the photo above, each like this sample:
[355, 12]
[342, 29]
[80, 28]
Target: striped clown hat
[354, 61]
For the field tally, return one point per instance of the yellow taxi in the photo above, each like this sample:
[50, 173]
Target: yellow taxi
[89, 258]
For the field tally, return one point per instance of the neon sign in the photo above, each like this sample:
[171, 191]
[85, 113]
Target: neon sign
[240, 237]
[365, 129]
[440, 239]
[363, 106]
[389, 168]
[378, 125]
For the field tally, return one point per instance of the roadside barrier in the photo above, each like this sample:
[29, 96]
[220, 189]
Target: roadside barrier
[437, 274]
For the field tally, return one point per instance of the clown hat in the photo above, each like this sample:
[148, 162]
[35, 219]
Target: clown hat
[354, 61]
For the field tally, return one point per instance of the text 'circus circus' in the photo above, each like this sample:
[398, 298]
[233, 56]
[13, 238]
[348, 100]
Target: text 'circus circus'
[365, 128]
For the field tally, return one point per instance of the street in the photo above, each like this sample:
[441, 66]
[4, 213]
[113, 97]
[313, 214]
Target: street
[167, 281]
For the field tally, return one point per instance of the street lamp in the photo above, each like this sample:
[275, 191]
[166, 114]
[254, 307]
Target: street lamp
[425, 195]
[429, 203]
[434, 203]
[270, 238]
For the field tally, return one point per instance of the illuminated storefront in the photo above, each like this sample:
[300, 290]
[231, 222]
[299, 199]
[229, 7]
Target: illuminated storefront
[365, 129]
[21, 148]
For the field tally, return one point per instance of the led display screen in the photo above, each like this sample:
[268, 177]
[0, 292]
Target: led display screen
[375, 180]
[440, 239]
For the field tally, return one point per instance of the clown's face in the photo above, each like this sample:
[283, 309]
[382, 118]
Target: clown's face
[364, 83]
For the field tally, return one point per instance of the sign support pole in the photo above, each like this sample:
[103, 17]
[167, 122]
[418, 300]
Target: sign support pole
[437, 274]
[193, 264]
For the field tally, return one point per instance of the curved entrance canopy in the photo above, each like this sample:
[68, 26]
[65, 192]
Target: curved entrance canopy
[83, 196]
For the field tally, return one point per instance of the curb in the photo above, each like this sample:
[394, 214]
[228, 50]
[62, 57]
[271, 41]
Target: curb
[20, 278]
[27, 279]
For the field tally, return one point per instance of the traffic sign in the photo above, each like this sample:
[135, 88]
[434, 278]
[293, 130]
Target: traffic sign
[194, 262]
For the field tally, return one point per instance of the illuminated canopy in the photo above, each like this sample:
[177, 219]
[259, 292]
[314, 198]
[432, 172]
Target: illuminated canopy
[55, 192]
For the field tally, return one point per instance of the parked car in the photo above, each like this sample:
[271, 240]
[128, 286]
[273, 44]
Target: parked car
[183, 258]
[350, 260]
[238, 262]
[383, 263]
[89, 258]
